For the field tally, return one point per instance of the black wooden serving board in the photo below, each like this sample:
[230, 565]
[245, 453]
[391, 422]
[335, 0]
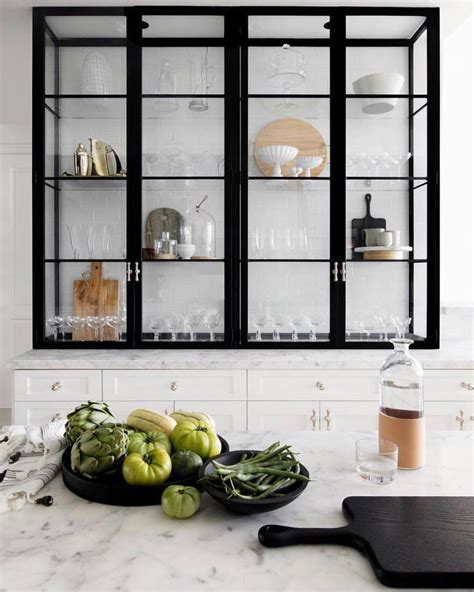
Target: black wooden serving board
[111, 488]
[358, 225]
[411, 542]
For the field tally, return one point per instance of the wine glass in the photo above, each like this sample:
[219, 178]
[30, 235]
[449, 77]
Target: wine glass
[95, 323]
[69, 323]
[193, 320]
[174, 323]
[405, 323]
[90, 233]
[54, 323]
[296, 322]
[158, 325]
[212, 322]
[74, 232]
[313, 322]
[78, 324]
[399, 160]
[278, 322]
[259, 321]
[106, 237]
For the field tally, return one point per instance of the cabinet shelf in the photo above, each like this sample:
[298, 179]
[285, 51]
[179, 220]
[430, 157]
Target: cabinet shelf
[86, 183]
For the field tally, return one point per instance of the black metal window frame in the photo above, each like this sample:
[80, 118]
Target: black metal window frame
[236, 43]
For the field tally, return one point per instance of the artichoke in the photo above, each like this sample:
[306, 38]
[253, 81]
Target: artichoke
[86, 417]
[98, 450]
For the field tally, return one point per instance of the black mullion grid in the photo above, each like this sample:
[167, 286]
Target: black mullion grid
[232, 181]
[57, 204]
[134, 173]
[411, 225]
[38, 154]
[433, 144]
[337, 125]
[244, 186]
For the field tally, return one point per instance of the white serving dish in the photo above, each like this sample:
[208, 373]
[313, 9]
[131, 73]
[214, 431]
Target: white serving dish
[379, 83]
[277, 155]
[308, 162]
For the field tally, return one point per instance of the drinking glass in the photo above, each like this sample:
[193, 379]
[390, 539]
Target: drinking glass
[399, 160]
[278, 322]
[258, 240]
[106, 237]
[114, 323]
[290, 242]
[203, 77]
[376, 460]
[90, 233]
[259, 321]
[54, 323]
[69, 323]
[275, 242]
[193, 320]
[212, 322]
[96, 323]
[404, 325]
[296, 322]
[78, 324]
[158, 325]
[174, 323]
[313, 322]
[74, 232]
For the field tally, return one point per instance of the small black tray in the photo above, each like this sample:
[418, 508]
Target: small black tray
[112, 489]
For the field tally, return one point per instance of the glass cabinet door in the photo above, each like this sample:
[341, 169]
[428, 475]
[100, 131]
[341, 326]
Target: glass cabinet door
[387, 183]
[80, 201]
[286, 189]
[183, 182]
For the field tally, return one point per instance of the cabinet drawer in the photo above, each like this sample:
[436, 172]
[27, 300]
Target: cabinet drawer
[121, 409]
[446, 385]
[230, 416]
[349, 416]
[455, 415]
[62, 385]
[42, 412]
[185, 385]
[284, 416]
[310, 385]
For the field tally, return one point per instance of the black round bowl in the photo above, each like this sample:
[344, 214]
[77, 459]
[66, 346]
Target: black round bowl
[111, 488]
[243, 506]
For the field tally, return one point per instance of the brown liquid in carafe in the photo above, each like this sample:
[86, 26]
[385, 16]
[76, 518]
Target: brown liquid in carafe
[406, 428]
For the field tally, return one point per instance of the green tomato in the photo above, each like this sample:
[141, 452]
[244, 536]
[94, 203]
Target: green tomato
[143, 442]
[147, 470]
[199, 437]
[180, 502]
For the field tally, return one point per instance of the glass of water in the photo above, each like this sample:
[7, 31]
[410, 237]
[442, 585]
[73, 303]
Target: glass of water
[377, 460]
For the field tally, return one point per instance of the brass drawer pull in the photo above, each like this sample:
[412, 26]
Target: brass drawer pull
[468, 385]
[174, 386]
[314, 419]
[328, 419]
[56, 386]
[321, 386]
[460, 419]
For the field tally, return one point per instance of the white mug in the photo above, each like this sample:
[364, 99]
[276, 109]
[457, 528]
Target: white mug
[385, 239]
[395, 237]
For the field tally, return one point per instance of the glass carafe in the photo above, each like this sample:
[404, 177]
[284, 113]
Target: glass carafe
[401, 415]
[203, 77]
[167, 85]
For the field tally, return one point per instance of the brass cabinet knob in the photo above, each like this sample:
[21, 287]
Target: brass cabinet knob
[328, 419]
[314, 420]
[174, 386]
[320, 385]
[56, 386]
[460, 419]
[468, 385]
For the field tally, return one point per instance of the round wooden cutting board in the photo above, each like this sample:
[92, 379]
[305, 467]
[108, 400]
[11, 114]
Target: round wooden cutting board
[292, 132]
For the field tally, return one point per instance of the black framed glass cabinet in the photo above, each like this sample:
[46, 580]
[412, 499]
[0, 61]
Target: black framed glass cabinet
[235, 177]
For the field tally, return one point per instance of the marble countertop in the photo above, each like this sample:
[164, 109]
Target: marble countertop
[83, 546]
[452, 355]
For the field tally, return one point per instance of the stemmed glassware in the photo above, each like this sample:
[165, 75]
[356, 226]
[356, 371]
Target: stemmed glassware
[212, 321]
[55, 323]
[313, 322]
[96, 324]
[158, 325]
[193, 320]
[259, 321]
[278, 322]
[297, 322]
[174, 323]
[78, 324]
[399, 160]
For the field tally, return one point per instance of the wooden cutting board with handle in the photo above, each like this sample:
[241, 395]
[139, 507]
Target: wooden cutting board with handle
[95, 297]
[358, 225]
[411, 542]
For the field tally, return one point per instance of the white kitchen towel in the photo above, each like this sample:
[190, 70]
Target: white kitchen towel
[40, 449]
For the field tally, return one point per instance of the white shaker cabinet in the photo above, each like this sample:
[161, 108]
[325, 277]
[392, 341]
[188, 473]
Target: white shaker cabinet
[283, 415]
[349, 416]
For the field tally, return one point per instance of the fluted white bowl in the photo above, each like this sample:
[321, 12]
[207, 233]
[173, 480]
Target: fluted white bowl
[308, 162]
[277, 155]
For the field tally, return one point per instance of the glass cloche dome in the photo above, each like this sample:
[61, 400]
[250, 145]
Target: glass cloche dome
[198, 228]
[286, 70]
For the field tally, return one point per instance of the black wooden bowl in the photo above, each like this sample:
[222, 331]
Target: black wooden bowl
[243, 506]
[111, 488]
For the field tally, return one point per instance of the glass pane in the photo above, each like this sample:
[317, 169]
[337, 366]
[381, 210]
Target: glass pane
[180, 142]
[377, 293]
[170, 206]
[288, 70]
[420, 140]
[288, 219]
[183, 70]
[382, 27]
[288, 302]
[420, 295]
[291, 27]
[110, 27]
[420, 222]
[377, 70]
[420, 62]
[85, 301]
[183, 26]
[289, 146]
[183, 301]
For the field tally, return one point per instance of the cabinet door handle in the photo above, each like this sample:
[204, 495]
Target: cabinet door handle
[343, 271]
[468, 385]
[129, 271]
[460, 419]
[328, 419]
[56, 386]
[174, 386]
[137, 271]
[321, 386]
[335, 271]
[314, 419]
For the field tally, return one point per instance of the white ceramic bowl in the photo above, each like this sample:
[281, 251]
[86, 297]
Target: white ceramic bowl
[186, 251]
[380, 83]
[276, 155]
[308, 162]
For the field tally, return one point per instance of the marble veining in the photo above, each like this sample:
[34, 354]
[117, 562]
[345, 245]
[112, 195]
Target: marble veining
[453, 355]
[76, 545]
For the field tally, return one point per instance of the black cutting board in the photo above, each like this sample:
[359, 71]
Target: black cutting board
[358, 225]
[411, 542]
